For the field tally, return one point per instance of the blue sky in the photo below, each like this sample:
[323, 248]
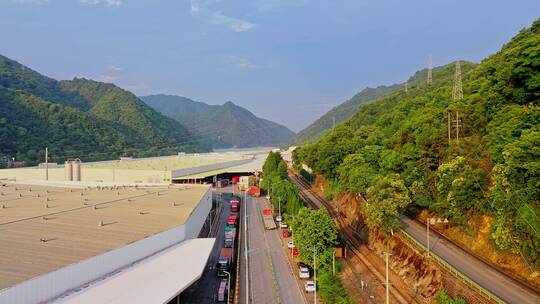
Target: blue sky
[285, 60]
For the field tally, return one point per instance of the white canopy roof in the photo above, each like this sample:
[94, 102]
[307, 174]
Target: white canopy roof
[157, 279]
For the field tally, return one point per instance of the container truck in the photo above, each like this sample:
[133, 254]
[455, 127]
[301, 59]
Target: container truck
[232, 221]
[235, 206]
[268, 219]
[222, 292]
[254, 191]
[230, 236]
[225, 261]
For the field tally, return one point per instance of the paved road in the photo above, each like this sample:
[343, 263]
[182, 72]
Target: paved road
[490, 279]
[205, 289]
[271, 278]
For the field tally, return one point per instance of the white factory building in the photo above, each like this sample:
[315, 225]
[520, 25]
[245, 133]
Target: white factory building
[101, 244]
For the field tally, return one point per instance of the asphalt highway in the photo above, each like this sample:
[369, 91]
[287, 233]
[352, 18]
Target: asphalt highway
[270, 275]
[497, 283]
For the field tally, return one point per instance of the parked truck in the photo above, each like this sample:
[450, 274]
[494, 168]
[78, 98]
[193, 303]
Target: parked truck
[268, 219]
[225, 261]
[222, 292]
[235, 206]
[230, 237]
[254, 191]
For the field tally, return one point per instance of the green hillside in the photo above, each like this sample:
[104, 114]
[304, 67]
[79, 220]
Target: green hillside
[79, 118]
[340, 113]
[226, 125]
[395, 151]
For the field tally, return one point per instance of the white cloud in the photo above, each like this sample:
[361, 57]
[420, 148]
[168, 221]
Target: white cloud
[106, 2]
[233, 24]
[115, 68]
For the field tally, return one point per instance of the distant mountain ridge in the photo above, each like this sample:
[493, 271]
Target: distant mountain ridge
[220, 126]
[347, 109]
[79, 118]
[340, 113]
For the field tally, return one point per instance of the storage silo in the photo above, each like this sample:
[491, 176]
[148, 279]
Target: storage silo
[77, 170]
[69, 170]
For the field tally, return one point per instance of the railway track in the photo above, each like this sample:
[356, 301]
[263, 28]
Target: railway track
[349, 235]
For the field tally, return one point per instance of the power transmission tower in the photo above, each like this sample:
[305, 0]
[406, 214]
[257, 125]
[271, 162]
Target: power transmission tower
[430, 71]
[406, 86]
[457, 95]
[333, 122]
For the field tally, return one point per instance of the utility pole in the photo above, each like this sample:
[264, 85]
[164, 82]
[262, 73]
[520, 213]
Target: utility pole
[457, 128]
[315, 274]
[279, 206]
[246, 247]
[46, 163]
[387, 283]
[449, 127]
[430, 71]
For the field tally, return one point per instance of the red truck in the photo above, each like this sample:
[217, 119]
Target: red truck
[232, 221]
[254, 191]
[235, 180]
[225, 261]
[235, 206]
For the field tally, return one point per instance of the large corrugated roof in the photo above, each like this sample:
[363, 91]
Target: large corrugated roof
[170, 271]
[67, 221]
[168, 163]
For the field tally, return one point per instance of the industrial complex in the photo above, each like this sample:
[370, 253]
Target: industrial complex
[95, 232]
[181, 168]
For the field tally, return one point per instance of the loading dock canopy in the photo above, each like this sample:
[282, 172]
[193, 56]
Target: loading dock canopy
[157, 279]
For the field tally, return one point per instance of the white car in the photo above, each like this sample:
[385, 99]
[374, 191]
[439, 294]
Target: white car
[303, 273]
[290, 245]
[283, 225]
[278, 218]
[310, 286]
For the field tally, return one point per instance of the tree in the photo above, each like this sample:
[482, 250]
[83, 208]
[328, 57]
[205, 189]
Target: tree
[282, 170]
[314, 230]
[387, 198]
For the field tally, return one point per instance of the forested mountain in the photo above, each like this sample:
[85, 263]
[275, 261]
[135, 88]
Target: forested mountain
[226, 125]
[79, 118]
[395, 151]
[340, 113]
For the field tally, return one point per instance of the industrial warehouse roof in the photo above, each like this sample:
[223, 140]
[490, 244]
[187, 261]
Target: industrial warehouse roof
[255, 165]
[154, 280]
[46, 228]
[168, 163]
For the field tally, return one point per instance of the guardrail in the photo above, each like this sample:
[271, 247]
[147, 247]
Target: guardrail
[484, 292]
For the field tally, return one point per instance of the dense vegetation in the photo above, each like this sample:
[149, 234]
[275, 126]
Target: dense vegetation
[275, 182]
[221, 126]
[79, 118]
[395, 152]
[340, 113]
